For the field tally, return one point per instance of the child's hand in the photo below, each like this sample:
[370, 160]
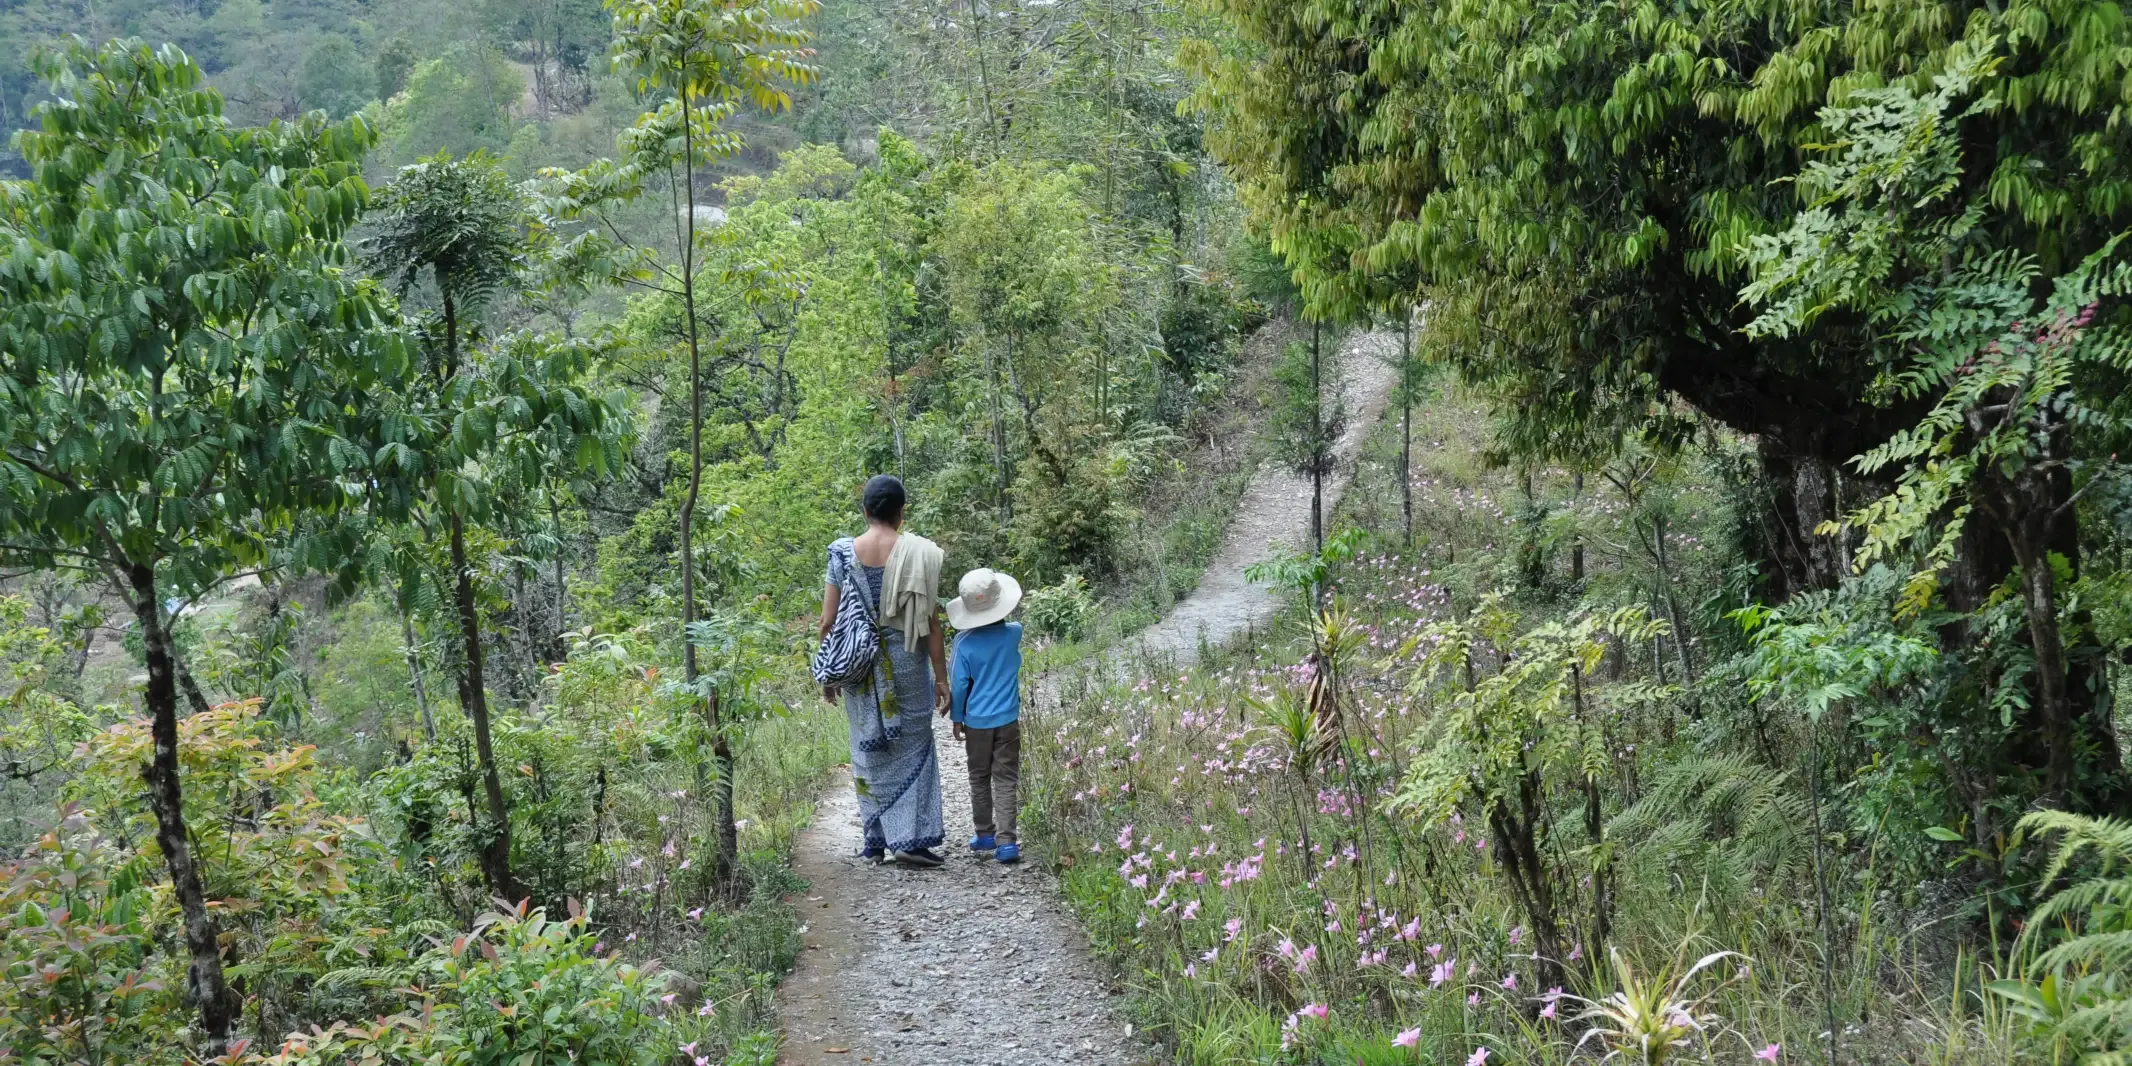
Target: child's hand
[959, 735]
[829, 694]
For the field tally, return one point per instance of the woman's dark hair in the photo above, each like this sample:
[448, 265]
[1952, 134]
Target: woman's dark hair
[883, 498]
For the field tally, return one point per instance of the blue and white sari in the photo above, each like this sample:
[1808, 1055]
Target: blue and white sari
[894, 765]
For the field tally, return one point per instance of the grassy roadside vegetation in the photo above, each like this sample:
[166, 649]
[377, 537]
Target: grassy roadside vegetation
[1181, 514]
[547, 410]
[1272, 895]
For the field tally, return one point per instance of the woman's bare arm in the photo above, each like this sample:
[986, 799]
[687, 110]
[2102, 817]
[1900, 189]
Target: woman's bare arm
[936, 647]
[830, 596]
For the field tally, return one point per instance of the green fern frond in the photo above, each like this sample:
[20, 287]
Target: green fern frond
[1729, 814]
[425, 927]
[2099, 951]
[351, 978]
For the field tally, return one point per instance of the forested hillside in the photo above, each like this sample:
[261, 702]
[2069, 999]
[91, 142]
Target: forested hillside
[423, 424]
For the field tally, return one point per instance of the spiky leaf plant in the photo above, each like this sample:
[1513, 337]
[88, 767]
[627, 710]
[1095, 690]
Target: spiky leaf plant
[1650, 1019]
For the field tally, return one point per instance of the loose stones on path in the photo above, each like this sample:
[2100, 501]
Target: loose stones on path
[973, 963]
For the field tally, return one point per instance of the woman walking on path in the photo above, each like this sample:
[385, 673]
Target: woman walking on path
[893, 762]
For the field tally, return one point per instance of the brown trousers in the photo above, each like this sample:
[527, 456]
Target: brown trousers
[995, 778]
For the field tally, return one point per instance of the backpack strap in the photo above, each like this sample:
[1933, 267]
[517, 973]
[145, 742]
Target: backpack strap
[855, 590]
[851, 585]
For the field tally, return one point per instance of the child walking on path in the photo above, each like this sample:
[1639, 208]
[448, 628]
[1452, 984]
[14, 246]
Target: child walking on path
[985, 703]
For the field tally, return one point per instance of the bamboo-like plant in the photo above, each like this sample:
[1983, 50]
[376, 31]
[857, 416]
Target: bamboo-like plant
[1505, 738]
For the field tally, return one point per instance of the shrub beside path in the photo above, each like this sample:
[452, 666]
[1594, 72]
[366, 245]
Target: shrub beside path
[978, 964]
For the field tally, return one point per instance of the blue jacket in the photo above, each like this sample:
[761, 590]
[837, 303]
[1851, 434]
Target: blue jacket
[985, 678]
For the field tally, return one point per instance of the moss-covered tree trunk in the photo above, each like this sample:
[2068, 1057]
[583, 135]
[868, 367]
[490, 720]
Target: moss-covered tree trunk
[205, 984]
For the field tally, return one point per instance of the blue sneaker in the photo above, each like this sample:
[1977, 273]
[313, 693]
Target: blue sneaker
[985, 842]
[1008, 853]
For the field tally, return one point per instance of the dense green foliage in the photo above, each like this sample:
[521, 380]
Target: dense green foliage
[1690, 672]
[343, 373]
[1830, 304]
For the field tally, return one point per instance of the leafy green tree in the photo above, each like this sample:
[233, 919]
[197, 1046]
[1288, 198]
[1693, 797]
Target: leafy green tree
[460, 102]
[394, 63]
[1578, 194]
[516, 409]
[334, 79]
[712, 56]
[1574, 188]
[1033, 291]
[2014, 382]
[189, 369]
[1505, 740]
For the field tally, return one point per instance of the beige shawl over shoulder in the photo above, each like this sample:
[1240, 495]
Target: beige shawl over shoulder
[910, 587]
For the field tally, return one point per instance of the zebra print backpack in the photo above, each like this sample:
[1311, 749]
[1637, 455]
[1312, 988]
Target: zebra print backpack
[853, 645]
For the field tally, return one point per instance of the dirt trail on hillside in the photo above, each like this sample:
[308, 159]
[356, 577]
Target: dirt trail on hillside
[979, 964]
[1273, 517]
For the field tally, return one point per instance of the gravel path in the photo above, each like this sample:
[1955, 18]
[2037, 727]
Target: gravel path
[1274, 517]
[978, 964]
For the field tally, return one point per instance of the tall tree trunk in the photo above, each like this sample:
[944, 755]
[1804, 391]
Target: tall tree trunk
[1518, 848]
[205, 985]
[1319, 445]
[1814, 498]
[1406, 422]
[414, 674]
[473, 685]
[2016, 529]
[999, 441]
[722, 796]
[2028, 521]
[692, 668]
[194, 698]
[1793, 559]
[984, 78]
[1672, 599]
[473, 697]
[558, 647]
[1576, 544]
[1532, 557]
[892, 392]
[2039, 600]
[1595, 829]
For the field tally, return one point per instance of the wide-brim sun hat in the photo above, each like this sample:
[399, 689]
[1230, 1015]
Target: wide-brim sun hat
[986, 597]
